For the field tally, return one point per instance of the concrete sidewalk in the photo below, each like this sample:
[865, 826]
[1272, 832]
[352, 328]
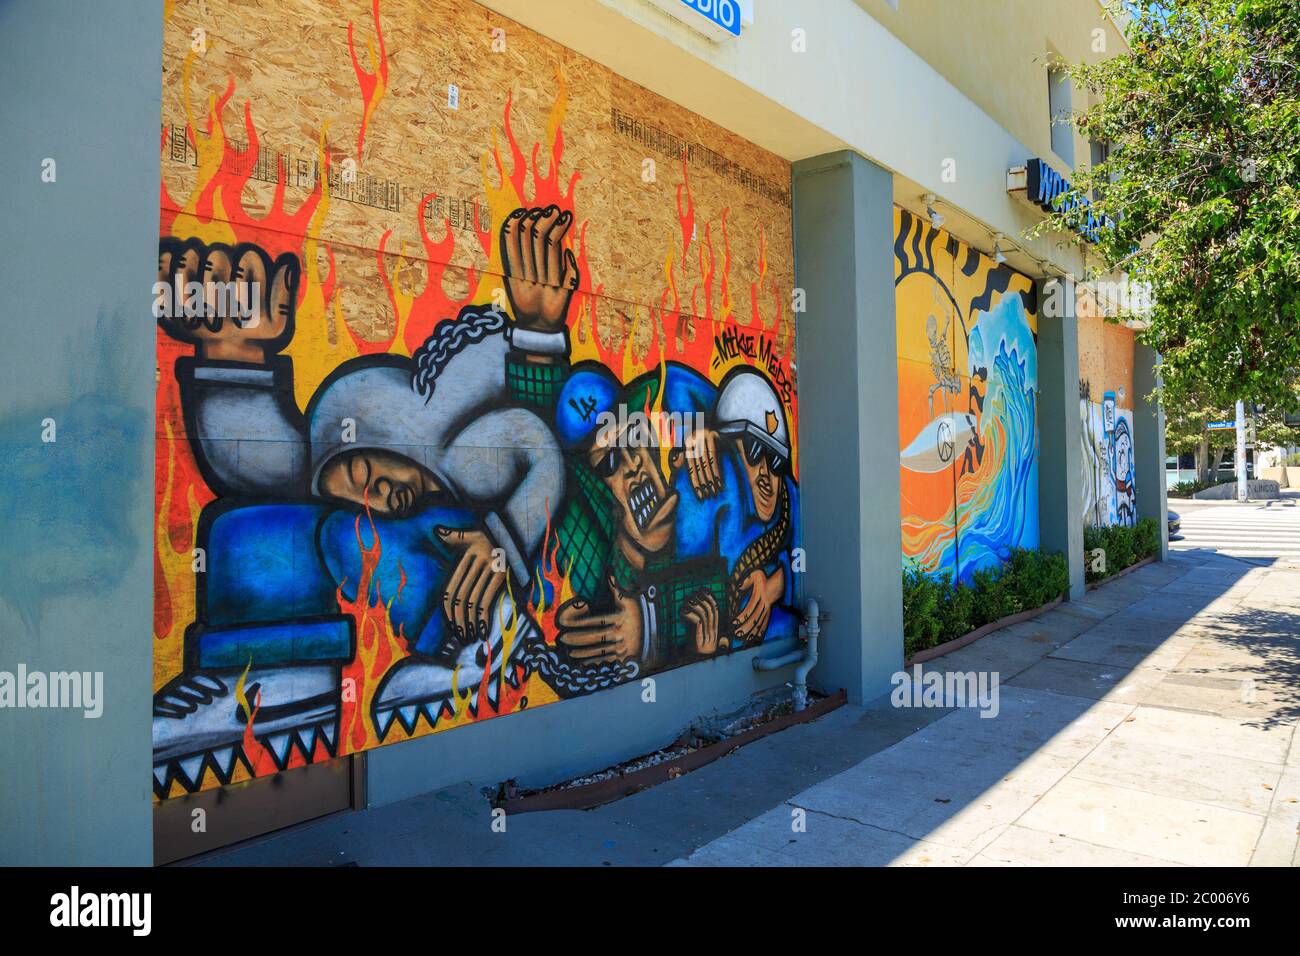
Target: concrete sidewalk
[1125, 736]
[1151, 723]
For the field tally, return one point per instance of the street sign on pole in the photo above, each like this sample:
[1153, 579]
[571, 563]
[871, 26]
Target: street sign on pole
[1242, 488]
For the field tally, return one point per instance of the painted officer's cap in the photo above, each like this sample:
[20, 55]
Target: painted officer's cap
[748, 405]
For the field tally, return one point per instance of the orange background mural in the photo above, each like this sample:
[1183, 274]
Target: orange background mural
[1106, 408]
[384, 144]
[967, 403]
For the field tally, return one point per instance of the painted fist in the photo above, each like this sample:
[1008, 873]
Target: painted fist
[232, 303]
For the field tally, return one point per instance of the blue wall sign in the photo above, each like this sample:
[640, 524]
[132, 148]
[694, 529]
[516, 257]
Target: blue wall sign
[721, 13]
[1044, 185]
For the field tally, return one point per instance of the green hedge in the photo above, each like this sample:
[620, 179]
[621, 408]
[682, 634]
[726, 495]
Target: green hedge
[1123, 546]
[936, 611]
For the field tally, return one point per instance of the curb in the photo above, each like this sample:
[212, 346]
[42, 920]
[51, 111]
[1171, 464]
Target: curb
[957, 643]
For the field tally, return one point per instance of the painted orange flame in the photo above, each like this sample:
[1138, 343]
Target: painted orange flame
[417, 315]
[550, 579]
[378, 647]
[671, 328]
[373, 82]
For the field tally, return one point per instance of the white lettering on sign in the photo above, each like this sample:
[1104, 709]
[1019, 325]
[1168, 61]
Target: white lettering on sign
[725, 13]
[719, 19]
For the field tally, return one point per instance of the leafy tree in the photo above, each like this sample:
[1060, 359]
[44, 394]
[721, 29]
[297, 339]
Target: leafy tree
[1202, 115]
[1186, 431]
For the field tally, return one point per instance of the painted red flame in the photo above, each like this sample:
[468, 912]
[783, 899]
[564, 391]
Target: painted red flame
[370, 83]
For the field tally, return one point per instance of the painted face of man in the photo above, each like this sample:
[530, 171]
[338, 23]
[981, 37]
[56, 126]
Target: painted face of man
[391, 484]
[646, 503]
[763, 468]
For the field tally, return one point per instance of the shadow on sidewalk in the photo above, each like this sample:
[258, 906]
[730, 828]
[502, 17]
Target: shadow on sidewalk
[886, 784]
[1180, 698]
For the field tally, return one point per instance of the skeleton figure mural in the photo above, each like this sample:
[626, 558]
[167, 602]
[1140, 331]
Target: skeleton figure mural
[941, 363]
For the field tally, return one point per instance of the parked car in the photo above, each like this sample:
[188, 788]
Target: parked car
[1174, 522]
[1227, 469]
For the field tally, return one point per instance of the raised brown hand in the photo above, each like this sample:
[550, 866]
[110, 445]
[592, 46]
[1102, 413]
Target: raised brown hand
[700, 459]
[245, 309]
[540, 273]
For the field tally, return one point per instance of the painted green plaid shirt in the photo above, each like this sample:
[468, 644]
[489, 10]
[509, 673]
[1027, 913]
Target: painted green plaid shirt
[585, 529]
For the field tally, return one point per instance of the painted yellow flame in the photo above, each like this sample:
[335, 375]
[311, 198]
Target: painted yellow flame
[314, 355]
[239, 689]
[178, 574]
[211, 150]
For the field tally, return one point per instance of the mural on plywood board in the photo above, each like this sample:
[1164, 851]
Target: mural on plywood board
[1106, 410]
[476, 384]
[967, 403]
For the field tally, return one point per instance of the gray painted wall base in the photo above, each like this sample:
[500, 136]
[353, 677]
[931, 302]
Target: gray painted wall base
[848, 418]
[569, 738]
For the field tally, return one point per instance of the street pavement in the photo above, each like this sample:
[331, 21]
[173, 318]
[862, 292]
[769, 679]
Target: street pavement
[1151, 722]
[1256, 529]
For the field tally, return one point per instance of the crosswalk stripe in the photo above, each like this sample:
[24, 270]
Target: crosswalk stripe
[1246, 532]
[1253, 529]
[1264, 520]
[1243, 529]
[1235, 549]
[1238, 536]
[1228, 542]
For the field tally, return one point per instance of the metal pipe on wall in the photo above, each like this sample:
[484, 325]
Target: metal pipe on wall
[806, 658]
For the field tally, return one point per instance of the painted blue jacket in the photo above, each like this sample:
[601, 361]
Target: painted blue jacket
[727, 522]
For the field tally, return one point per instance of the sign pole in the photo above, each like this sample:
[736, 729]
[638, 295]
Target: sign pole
[1242, 487]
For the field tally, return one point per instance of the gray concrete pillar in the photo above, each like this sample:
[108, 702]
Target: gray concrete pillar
[1060, 427]
[1149, 442]
[79, 162]
[848, 418]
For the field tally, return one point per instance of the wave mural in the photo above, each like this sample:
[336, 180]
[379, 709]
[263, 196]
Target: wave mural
[968, 401]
